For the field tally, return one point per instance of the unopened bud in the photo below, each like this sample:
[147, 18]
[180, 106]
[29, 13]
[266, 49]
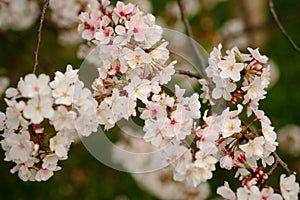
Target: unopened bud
[241, 178]
[265, 176]
[35, 149]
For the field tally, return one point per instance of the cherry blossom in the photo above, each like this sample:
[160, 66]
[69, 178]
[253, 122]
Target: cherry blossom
[37, 103]
[136, 27]
[43, 175]
[122, 10]
[249, 191]
[230, 69]
[137, 57]
[257, 56]
[18, 147]
[226, 70]
[289, 187]
[226, 192]
[133, 64]
[254, 148]
[138, 89]
[60, 145]
[34, 86]
[223, 89]
[63, 119]
[38, 109]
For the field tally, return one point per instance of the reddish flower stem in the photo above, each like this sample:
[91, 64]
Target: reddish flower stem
[39, 38]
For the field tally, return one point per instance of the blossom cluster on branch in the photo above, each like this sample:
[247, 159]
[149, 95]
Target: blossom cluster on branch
[43, 118]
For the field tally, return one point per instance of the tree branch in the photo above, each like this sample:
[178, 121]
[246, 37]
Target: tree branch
[188, 73]
[283, 31]
[279, 161]
[36, 52]
[188, 28]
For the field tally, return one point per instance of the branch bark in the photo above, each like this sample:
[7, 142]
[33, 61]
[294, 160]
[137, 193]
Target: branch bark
[39, 38]
[188, 73]
[192, 41]
[279, 161]
[281, 28]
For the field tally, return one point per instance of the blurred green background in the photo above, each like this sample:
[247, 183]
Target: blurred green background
[82, 176]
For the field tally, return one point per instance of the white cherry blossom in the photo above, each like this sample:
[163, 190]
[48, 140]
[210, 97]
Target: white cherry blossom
[226, 162]
[50, 162]
[60, 145]
[289, 187]
[122, 10]
[223, 89]
[254, 90]
[122, 37]
[38, 109]
[34, 86]
[226, 192]
[254, 148]
[137, 57]
[230, 68]
[136, 27]
[268, 193]
[63, 119]
[138, 89]
[43, 175]
[257, 56]
[19, 147]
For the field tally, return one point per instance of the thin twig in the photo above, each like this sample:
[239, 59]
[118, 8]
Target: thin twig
[36, 52]
[188, 73]
[282, 163]
[283, 31]
[278, 161]
[275, 165]
[188, 28]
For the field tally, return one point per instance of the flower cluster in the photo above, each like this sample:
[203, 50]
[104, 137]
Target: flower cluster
[132, 55]
[289, 190]
[170, 118]
[237, 77]
[42, 120]
[245, 137]
[160, 182]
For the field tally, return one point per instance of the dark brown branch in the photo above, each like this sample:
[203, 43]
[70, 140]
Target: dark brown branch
[283, 31]
[279, 161]
[189, 31]
[36, 52]
[188, 73]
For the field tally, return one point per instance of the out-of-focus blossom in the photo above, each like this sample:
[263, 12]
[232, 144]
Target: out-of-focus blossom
[289, 139]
